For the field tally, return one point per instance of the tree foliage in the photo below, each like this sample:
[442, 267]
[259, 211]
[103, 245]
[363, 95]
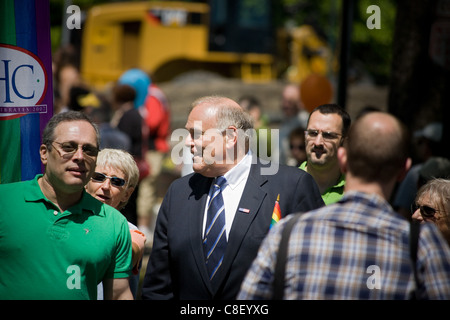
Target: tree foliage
[371, 49]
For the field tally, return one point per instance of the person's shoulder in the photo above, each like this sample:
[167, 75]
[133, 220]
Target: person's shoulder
[183, 180]
[114, 216]
[19, 186]
[433, 245]
[14, 194]
[294, 172]
[288, 168]
[192, 180]
[189, 178]
[132, 114]
[13, 185]
[190, 184]
[274, 170]
[101, 209]
[432, 233]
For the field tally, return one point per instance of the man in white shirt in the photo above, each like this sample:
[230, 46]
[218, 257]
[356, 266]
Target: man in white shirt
[228, 177]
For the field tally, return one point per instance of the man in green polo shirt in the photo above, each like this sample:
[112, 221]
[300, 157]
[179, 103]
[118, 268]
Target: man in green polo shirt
[57, 241]
[326, 131]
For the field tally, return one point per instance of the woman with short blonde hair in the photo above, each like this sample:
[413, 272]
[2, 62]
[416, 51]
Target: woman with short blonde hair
[114, 180]
[123, 161]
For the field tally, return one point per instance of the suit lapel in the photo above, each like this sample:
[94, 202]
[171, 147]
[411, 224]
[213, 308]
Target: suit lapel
[200, 187]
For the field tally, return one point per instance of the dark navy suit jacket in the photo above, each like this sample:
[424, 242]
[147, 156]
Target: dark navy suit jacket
[176, 268]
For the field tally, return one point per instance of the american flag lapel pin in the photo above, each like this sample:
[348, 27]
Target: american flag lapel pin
[244, 210]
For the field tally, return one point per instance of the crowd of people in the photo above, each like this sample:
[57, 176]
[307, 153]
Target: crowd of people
[80, 230]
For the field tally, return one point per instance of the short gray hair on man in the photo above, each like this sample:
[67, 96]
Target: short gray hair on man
[227, 112]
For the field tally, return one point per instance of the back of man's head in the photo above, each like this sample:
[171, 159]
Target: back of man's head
[377, 147]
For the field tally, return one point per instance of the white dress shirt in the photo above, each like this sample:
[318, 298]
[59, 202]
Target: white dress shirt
[232, 191]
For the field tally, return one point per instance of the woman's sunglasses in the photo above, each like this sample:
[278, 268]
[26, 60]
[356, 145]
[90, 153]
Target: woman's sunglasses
[425, 211]
[115, 181]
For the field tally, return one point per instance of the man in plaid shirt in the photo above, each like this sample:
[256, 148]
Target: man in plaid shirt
[357, 248]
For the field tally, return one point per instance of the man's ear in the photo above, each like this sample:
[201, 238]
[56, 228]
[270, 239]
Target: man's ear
[231, 137]
[406, 166]
[43, 151]
[342, 159]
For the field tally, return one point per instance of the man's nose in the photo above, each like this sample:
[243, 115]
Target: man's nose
[188, 141]
[78, 154]
[319, 139]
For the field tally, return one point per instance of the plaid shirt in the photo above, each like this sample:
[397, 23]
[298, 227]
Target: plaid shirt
[354, 249]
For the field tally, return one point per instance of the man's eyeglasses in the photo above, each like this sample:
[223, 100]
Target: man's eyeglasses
[68, 149]
[326, 135]
[425, 211]
[115, 181]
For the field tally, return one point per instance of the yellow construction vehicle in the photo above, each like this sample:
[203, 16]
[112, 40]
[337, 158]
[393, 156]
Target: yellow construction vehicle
[233, 38]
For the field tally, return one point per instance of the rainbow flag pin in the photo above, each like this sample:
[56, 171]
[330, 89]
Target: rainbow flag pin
[276, 214]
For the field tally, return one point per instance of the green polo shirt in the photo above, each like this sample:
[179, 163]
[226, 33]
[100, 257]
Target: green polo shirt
[334, 193]
[46, 254]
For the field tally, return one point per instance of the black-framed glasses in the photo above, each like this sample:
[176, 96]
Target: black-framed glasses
[68, 149]
[326, 135]
[115, 181]
[425, 211]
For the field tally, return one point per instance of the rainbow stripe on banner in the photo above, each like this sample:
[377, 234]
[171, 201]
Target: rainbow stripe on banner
[26, 95]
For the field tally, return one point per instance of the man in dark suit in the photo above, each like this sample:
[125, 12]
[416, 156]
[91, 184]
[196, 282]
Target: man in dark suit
[180, 263]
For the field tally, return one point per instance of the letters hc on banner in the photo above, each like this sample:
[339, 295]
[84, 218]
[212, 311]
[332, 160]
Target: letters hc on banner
[26, 95]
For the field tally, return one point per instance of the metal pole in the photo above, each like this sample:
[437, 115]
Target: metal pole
[346, 35]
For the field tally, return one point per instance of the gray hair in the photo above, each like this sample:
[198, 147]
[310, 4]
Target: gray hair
[123, 161]
[439, 191]
[227, 113]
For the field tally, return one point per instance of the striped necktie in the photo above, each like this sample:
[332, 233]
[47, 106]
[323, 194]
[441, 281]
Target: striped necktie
[215, 240]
